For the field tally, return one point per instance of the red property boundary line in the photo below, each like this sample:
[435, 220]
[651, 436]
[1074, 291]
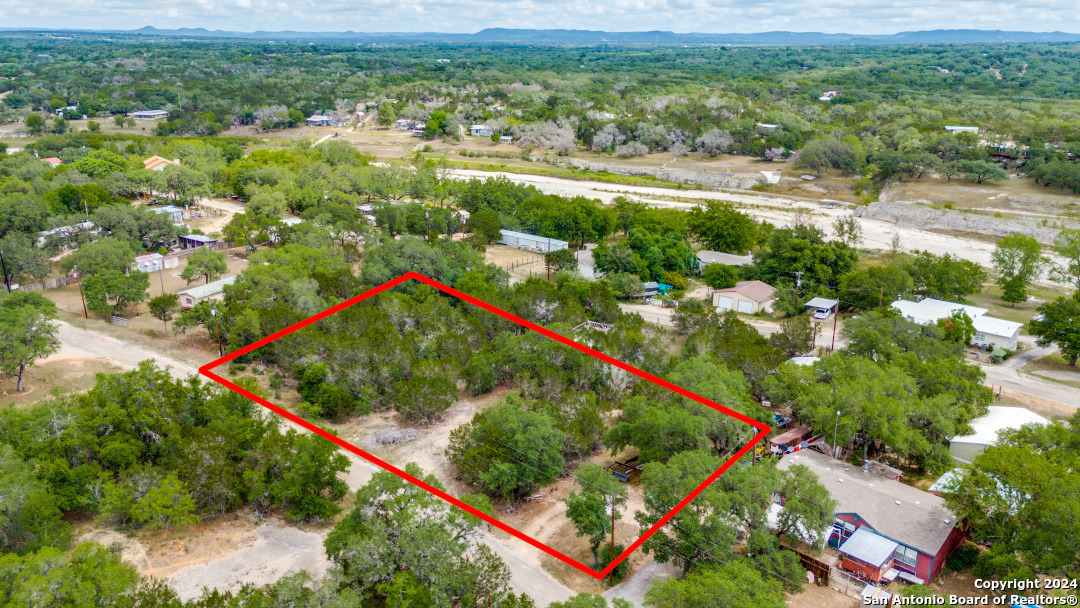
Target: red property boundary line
[763, 429]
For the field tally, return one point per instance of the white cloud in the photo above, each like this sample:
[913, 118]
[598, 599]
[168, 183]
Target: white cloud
[851, 16]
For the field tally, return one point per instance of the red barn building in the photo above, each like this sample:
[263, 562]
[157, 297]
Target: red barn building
[883, 529]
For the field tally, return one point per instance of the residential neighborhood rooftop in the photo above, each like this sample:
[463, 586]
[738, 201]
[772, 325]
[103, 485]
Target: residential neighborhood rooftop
[905, 514]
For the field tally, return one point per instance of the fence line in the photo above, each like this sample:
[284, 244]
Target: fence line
[845, 583]
[48, 284]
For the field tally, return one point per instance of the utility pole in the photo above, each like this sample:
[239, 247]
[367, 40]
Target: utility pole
[217, 329]
[81, 296]
[161, 279]
[881, 298]
[798, 283]
[612, 498]
[835, 422]
[836, 314]
[3, 266]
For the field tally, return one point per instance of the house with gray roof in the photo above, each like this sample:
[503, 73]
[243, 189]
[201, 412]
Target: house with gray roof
[883, 529]
[204, 293]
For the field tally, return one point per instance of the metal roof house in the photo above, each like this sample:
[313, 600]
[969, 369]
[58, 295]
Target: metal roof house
[961, 129]
[319, 120]
[194, 241]
[727, 259]
[986, 429]
[176, 214]
[201, 293]
[481, 131]
[989, 331]
[149, 114]
[531, 242]
[876, 515]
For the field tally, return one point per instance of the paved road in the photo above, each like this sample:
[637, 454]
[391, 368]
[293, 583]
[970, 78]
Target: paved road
[1009, 376]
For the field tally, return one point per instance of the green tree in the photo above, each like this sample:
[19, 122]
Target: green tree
[163, 308]
[98, 256]
[626, 285]
[586, 600]
[29, 516]
[700, 532]
[1018, 261]
[93, 126]
[945, 277]
[720, 276]
[720, 226]
[593, 509]
[1067, 245]
[307, 481]
[398, 527]
[848, 230]
[35, 124]
[507, 450]
[204, 263]
[166, 506]
[485, 226]
[386, 113]
[59, 126]
[89, 576]
[736, 584]
[251, 230]
[957, 327]
[979, 171]
[424, 397]
[1010, 497]
[873, 287]
[26, 332]
[22, 260]
[808, 507]
[1058, 322]
[101, 162]
[796, 336]
[111, 291]
[561, 259]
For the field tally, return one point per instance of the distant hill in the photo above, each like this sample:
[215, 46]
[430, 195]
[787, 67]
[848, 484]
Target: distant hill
[593, 37]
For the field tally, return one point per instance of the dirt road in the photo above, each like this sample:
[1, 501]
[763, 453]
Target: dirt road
[93, 345]
[276, 550]
[877, 234]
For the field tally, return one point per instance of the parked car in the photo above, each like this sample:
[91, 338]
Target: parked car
[781, 421]
[821, 314]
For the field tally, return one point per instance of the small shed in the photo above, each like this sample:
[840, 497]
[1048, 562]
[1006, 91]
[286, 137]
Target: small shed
[506, 139]
[194, 241]
[52, 160]
[986, 429]
[319, 120]
[150, 262]
[654, 288]
[175, 214]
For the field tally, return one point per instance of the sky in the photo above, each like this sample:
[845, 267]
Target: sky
[467, 16]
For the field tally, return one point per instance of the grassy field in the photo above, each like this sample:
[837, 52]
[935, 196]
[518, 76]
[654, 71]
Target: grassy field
[1056, 369]
[990, 299]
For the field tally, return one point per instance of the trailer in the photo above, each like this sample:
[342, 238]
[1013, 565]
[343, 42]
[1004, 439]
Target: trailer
[626, 472]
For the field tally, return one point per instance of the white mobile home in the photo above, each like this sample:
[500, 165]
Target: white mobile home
[531, 242]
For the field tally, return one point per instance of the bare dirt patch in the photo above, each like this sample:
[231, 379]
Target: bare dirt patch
[64, 372]
[813, 596]
[1043, 407]
[224, 553]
